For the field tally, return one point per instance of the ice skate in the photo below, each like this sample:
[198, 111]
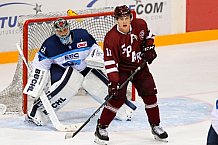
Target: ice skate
[36, 117]
[159, 133]
[32, 120]
[101, 135]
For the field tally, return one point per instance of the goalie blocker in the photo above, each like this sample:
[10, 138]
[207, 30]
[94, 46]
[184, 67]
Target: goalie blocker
[63, 90]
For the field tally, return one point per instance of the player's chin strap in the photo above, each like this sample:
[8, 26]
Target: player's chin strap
[72, 134]
[53, 117]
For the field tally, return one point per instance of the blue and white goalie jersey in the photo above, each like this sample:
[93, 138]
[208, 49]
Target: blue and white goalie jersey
[53, 51]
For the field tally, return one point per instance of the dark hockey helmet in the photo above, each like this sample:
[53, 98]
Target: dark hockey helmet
[62, 30]
[121, 11]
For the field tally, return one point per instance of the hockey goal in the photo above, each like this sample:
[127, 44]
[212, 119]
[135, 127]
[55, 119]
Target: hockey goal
[35, 29]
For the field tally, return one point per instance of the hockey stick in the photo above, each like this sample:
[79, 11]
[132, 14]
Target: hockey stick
[104, 79]
[53, 117]
[71, 135]
[97, 68]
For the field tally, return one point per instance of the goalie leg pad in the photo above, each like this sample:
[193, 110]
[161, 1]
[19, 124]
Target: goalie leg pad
[124, 113]
[101, 76]
[60, 92]
[100, 90]
[63, 90]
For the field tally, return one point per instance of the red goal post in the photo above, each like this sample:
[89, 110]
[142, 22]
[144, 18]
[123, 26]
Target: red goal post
[35, 29]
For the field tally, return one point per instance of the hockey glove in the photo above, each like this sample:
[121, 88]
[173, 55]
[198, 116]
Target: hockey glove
[113, 89]
[148, 50]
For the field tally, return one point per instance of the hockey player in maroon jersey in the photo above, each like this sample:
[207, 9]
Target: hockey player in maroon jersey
[126, 46]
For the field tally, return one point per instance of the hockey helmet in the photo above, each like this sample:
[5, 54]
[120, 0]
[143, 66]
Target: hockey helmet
[121, 11]
[62, 30]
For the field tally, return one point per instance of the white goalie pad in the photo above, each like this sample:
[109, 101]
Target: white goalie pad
[99, 91]
[59, 94]
[125, 113]
[63, 90]
[36, 82]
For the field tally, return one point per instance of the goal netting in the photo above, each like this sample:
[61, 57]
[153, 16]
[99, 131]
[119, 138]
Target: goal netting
[35, 29]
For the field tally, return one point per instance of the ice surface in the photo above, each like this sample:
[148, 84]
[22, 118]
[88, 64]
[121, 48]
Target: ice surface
[187, 82]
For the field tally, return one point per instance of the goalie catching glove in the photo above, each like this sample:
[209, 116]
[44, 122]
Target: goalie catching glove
[148, 49]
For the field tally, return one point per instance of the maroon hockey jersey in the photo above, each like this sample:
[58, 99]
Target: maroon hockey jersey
[122, 51]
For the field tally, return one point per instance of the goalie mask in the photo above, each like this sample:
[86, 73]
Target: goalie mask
[62, 30]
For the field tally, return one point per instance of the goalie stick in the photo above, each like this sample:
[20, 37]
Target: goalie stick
[72, 134]
[53, 117]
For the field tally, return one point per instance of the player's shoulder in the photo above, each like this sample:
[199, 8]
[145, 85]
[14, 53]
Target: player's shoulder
[139, 21]
[112, 33]
[80, 31]
[51, 40]
[49, 45]
[83, 34]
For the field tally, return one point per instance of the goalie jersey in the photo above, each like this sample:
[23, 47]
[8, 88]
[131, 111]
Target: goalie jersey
[53, 51]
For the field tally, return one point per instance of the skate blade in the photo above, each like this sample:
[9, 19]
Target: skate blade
[100, 142]
[31, 122]
[160, 139]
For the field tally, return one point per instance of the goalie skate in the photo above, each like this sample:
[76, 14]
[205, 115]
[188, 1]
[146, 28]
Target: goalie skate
[61, 127]
[33, 121]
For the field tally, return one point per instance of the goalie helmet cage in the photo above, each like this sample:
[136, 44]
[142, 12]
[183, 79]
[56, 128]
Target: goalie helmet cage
[34, 30]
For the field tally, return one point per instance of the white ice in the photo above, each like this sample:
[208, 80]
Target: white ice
[186, 76]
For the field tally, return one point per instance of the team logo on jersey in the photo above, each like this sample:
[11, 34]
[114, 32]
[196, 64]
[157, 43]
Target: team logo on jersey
[141, 34]
[82, 44]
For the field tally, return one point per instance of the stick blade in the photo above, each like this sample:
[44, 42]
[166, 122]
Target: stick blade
[69, 127]
[68, 135]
